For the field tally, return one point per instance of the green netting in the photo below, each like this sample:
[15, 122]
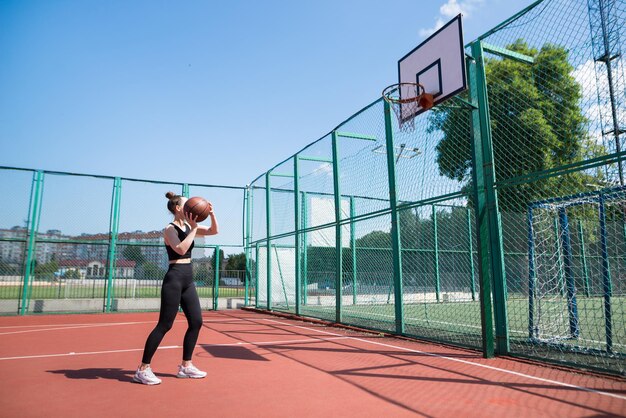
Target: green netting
[553, 123]
[86, 243]
[496, 222]
[441, 215]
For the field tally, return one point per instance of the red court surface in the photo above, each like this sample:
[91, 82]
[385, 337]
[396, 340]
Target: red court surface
[266, 366]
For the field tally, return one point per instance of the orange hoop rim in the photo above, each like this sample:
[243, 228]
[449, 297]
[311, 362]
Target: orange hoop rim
[397, 86]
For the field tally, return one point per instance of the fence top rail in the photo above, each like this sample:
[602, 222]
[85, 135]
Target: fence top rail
[506, 22]
[100, 176]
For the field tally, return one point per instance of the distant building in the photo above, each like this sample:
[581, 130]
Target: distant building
[14, 252]
[96, 269]
[53, 245]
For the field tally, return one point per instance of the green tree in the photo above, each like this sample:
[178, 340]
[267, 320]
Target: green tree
[133, 253]
[236, 262]
[72, 274]
[201, 273]
[46, 268]
[7, 269]
[151, 271]
[536, 124]
[222, 265]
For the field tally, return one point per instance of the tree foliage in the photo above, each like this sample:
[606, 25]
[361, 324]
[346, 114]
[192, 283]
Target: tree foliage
[150, 271]
[46, 268]
[536, 124]
[236, 262]
[133, 253]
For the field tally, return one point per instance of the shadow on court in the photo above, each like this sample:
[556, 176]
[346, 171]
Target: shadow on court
[233, 352]
[103, 373]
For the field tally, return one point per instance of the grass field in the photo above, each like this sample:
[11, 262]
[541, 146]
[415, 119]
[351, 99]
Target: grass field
[463, 318]
[62, 291]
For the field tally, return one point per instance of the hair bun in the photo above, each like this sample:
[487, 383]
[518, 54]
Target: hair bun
[170, 195]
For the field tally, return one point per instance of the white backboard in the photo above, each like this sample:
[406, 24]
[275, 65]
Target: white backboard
[438, 64]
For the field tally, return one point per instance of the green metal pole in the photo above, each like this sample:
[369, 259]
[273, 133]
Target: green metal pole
[487, 209]
[184, 193]
[436, 255]
[353, 246]
[216, 277]
[113, 231]
[338, 247]
[296, 196]
[33, 227]
[305, 251]
[471, 253]
[480, 207]
[395, 224]
[246, 242]
[268, 226]
[256, 277]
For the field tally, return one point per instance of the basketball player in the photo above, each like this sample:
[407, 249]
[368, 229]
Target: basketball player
[178, 289]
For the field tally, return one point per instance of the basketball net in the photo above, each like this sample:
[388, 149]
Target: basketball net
[406, 100]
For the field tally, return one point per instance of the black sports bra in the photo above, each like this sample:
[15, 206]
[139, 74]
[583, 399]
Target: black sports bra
[173, 255]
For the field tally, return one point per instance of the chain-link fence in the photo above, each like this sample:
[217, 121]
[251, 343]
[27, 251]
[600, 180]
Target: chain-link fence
[497, 222]
[83, 243]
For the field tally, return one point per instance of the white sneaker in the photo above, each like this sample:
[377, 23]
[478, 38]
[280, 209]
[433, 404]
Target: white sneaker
[146, 377]
[190, 371]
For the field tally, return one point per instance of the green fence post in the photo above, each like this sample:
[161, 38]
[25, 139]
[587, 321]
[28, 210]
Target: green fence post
[114, 221]
[395, 224]
[480, 164]
[185, 190]
[36, 193]
[216, 277]
[471, 253]
[353, 246]
[338, 247]
[489, 211]
[296, 196]
[305, 252]
[436, 255]
[246, 243]
[268, 226]
[256, 277]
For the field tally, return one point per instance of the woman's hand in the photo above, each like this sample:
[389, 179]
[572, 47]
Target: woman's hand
[191, 220]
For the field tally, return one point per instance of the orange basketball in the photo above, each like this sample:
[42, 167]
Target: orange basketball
[197, 206]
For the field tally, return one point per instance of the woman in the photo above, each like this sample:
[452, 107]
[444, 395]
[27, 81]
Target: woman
[178, 289]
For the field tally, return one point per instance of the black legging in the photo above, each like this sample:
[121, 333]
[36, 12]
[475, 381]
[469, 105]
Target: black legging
[178, 289]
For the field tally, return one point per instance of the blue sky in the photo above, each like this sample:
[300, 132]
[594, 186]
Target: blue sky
[199, 91]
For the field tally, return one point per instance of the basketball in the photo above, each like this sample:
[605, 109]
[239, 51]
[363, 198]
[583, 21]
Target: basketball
[198, 206]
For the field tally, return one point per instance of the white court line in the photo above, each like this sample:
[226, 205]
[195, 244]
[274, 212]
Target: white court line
[94, 325]
[259, 344]
[75, 325]
[471, 363]
[514, 331]
[110, 323]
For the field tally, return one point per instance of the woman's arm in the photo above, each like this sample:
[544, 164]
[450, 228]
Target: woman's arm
[212, 230]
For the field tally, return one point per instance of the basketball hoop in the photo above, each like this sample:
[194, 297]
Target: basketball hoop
[406, 100]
